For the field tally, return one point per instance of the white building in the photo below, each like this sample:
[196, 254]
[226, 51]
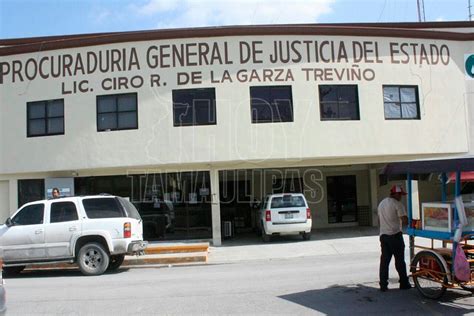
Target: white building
[167, 117]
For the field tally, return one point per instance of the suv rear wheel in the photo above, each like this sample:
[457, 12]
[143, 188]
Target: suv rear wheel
[92, 259]
[115, 262]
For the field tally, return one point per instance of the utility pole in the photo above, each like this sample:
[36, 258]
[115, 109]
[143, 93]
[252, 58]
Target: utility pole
[421, 10]
[469, 6]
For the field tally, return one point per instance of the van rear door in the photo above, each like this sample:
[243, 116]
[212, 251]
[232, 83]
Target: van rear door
[288, 209]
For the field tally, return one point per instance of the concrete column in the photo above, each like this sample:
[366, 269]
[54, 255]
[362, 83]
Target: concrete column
[13, 192]
[215, 208]
[373, 195]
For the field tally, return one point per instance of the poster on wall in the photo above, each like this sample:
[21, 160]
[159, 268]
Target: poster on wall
[437, 216]
[65, 186]
[63, 192]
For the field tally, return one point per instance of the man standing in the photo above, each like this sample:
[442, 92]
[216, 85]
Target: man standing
[392, 215]
[56, 194]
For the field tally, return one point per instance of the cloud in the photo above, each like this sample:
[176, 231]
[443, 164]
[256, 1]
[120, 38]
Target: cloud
[156, 6]
[189, 13]
[99, 15]
[440, 19]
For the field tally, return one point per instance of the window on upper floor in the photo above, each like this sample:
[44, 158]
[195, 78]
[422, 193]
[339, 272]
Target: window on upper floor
[193, 107]
[401, 102]
[271, 104]
[117, 112]
[338, 102]
[45, 118]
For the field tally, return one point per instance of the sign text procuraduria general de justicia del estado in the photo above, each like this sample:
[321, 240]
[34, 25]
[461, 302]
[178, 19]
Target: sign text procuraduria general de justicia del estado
[216, 62]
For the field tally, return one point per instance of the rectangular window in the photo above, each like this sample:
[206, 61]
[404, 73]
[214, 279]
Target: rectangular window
[30, 215]
[30, 190]
[63, 212]
[271, 104]
[117, 112]
[45, 118]
[194, 107]
[102, 208]
[339, 102]
[288, 201]
[401, 102]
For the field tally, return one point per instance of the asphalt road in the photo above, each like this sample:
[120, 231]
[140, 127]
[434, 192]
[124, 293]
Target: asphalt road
[333, 284]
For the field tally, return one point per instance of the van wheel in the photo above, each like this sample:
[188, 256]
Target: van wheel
[92, 259]
[11, 271]
[265, 237]
[306, 236]
[115, 262]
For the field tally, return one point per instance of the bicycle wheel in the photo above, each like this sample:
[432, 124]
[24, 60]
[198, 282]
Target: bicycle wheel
[429, 275]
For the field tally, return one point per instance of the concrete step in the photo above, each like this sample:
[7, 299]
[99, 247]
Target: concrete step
[165, 248]
[170, 258]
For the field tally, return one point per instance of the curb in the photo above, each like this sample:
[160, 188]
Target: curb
[154, 255]
[165, 249]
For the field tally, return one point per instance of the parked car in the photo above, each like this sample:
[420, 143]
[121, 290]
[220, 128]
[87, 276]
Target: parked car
[285, 214]
[3, 293]
[96, 232]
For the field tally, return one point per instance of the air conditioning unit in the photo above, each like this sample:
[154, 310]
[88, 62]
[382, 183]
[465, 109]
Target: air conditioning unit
[227, 229]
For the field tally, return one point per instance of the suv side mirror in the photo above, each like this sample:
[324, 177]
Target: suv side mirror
[9, 222]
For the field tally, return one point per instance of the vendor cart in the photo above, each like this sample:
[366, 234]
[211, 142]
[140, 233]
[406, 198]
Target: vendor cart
[432, 262]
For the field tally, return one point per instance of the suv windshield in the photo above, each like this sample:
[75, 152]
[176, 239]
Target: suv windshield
[288, 201]
[129, 208]
[102, 208]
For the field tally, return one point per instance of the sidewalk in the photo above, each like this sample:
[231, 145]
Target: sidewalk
[250, 247]
[323, 242]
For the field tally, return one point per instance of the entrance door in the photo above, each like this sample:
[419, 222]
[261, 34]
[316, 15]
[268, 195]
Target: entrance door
[342, 199]
[235, 204]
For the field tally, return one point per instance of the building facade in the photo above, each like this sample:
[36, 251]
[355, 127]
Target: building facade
[195, 125]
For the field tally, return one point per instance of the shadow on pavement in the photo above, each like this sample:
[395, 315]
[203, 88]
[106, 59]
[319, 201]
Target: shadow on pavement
[316, 234]
[360, 299]
[56, 273]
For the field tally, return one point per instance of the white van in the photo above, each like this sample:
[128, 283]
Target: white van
[285, 214]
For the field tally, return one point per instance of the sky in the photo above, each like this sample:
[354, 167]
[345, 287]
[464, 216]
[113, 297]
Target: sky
[31, 18]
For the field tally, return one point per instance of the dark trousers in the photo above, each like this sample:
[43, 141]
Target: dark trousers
[392, 245]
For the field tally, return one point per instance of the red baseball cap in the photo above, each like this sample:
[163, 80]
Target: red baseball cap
[397, 189]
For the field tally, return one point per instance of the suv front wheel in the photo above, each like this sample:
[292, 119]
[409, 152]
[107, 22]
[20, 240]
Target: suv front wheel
[92, 259]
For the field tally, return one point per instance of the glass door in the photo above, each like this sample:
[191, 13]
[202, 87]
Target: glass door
[342, 199]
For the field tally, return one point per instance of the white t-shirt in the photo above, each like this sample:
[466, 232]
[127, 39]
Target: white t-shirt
[390, 211]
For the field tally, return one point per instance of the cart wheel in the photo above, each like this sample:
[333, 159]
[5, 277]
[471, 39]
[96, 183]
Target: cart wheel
[468, 287]
[429, 275]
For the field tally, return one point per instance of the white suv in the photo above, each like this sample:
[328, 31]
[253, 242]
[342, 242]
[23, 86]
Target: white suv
[96, 232]
[285, 214]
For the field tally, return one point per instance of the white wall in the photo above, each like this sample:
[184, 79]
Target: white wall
[443, 128]
[470, 101]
